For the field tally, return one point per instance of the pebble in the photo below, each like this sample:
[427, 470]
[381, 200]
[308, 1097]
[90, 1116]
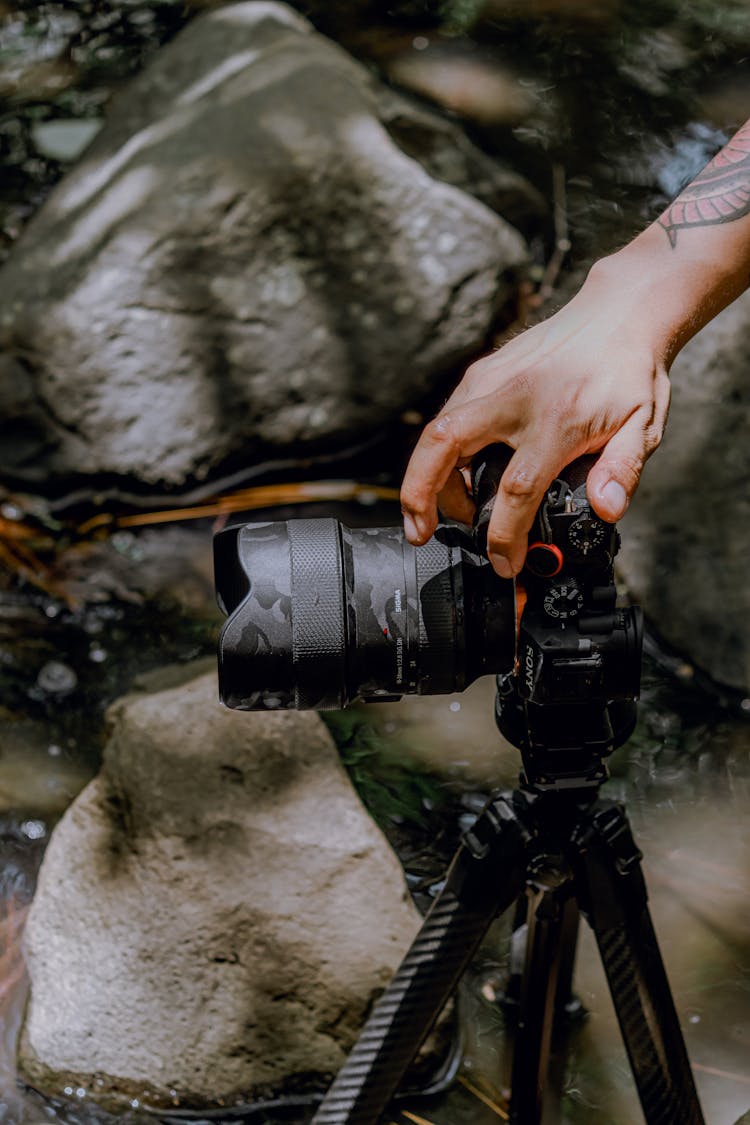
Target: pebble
[56, 678]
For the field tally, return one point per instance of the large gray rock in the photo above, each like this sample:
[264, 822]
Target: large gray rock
[215, 912]
[686, 538]
[243, 259]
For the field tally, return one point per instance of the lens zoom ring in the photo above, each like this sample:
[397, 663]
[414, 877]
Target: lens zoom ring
[318, 625]
[437, 622]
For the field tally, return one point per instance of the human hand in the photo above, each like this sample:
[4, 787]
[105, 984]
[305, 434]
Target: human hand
[591, 379]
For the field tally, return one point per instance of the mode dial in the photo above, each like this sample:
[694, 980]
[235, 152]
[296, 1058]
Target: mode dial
[563, 601]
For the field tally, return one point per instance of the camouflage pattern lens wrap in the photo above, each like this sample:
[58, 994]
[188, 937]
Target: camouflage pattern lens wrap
[320, 614]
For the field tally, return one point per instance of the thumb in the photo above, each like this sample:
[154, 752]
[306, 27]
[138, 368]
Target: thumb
[614, 478]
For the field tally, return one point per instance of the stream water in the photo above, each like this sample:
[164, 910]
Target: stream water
[628, 97]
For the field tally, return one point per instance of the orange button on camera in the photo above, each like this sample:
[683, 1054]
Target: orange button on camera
[544, 559]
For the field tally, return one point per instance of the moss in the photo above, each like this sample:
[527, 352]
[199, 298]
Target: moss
[394, 790]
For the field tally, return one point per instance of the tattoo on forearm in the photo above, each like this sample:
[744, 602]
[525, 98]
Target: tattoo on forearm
[718, 194]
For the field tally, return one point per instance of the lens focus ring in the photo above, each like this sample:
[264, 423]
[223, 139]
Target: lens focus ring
[318, 624]
[438, 641]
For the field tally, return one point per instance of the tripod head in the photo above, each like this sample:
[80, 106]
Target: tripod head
[569, 699]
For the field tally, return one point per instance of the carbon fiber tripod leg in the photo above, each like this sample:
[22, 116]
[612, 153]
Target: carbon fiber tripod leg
[429, 973]
[612, 893]
[551, 929]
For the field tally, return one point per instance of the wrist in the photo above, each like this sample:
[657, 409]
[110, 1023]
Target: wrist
[669, 292]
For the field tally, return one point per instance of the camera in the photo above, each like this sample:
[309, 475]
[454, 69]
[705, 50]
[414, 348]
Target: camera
[320, 615]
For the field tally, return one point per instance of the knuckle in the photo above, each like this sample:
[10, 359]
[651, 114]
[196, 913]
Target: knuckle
[629, 466]
[519, 385]
[497, 542]
[412, 498]
[521, 484]
[652, 436]
[479, 367]
[441, 431]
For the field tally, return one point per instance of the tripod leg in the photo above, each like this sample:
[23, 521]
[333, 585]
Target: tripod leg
[612, 893]
[429, 973]
[511, 996]
[567, 1006]
[546, 918]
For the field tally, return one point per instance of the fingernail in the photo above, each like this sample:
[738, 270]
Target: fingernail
[615, 497]
[501, 565]
[410, 529]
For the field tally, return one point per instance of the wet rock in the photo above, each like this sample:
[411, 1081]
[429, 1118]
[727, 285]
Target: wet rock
[33, 63]
[686, 538]
[243, 260]
[444, 150]
[480, 89]
[56, 678]
[37, 775]
[65, 140]
[215, 913]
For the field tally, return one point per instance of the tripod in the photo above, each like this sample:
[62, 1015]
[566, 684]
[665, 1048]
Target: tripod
[556, 841]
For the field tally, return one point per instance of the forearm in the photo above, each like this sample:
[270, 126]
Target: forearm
[694, 259]
[592, 378]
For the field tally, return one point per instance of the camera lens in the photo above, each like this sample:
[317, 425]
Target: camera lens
[321, 614]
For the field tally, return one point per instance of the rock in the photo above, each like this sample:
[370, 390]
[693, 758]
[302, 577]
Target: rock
[215, 913]
[445, 152]
[686, 538]
[65, 140]
[37, 776]
[484, 91]
[35, 62]
[243, 260]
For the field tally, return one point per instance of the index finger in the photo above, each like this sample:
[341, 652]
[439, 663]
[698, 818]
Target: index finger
[446, 443]
[529, 473]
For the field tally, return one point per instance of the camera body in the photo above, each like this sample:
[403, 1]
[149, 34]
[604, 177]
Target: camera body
[570, 698]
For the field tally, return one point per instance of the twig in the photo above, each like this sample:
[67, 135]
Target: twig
[248, 499]
[483, 1098]
[716, 1073]
[562, 234]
